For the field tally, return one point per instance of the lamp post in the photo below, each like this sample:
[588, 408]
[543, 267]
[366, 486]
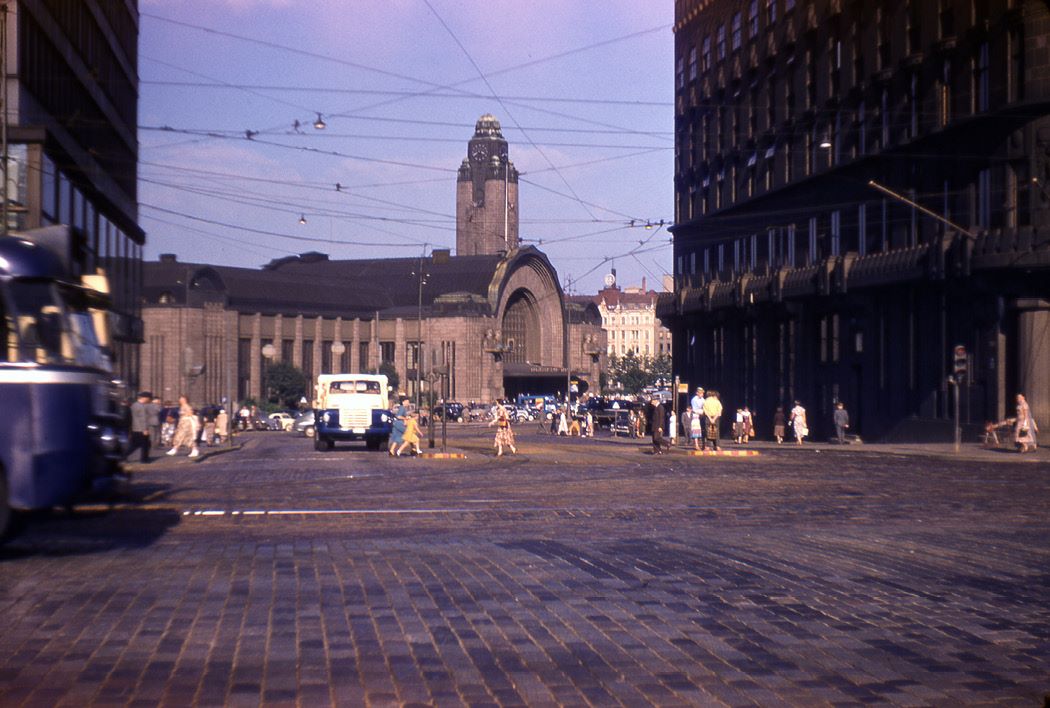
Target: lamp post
[419, 329]
[337, 351]
[269, 351]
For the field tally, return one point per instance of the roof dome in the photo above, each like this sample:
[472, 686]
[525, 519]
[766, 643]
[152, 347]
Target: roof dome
[487, 127]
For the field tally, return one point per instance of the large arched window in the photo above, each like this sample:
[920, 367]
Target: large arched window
[521, 324]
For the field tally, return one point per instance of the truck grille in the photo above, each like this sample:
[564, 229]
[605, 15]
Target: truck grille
[354, 418]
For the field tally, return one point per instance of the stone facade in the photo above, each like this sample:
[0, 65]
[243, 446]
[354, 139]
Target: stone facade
[495, 319]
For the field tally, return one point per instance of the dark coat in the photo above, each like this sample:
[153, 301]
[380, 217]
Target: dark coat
[656, 423]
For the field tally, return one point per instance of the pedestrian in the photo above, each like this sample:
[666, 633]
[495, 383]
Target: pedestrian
[243, 416]
[656, 425]
[155, 411]
[672, 428]
[186, 429]
[410, 438]
[222, 425]
[563, 423]
[738, 426]
[841, 420]
[504, 434]
[696, 420]
[778, 424]
[639, 422]
[397, 429]
[589, 420]
[1025, 428]
[749, 424]
[798, 422]
[713, 418]
[140, 427]
[208, 417]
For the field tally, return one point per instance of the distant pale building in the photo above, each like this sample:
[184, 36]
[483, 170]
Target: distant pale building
[629, 319]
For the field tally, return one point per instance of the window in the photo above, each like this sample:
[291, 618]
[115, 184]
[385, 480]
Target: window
[706, 52]
[771, 12]
[326, 357]
[287, 347]
[836, 233]
[363, 358]
[308, 360]
[862, 230]
[984, 198]
[1016, 80]
[692, 63]
[753, 254]
[738, 31]
[720, 42]
[791, 235]
[707, 261]
[981, 78]
[771, 104]
[913, 106]
[721, 257]
[680, 73]
[692, 263]
[812, 241]
[752, 18]
[386, 352]
[48, 184]
[945, 93]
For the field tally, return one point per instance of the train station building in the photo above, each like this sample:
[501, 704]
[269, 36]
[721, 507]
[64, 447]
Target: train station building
[491, 317]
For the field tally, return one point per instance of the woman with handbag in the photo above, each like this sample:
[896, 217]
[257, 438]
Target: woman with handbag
[1025, 428]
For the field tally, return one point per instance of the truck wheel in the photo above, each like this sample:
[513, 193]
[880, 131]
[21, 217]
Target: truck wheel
[321, 444]
[372, 444]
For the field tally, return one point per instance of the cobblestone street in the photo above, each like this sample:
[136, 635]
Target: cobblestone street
[575, 573]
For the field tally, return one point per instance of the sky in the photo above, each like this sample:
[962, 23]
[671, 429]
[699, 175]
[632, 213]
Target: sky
[230, 162]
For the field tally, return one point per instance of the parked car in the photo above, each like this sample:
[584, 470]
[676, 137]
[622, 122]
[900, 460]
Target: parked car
[280, 421]
[452, 410]
[304, 424]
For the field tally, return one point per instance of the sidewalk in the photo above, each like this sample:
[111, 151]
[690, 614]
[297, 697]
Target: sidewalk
[967, 451]
[161, 460]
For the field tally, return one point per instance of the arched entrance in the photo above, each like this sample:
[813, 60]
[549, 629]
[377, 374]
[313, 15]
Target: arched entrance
[521, 325]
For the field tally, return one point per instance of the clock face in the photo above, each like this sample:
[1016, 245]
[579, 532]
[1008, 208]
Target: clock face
[610, 280]
[478, 152]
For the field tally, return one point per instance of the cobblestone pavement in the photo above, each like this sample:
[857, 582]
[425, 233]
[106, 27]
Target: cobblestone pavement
[575, 573]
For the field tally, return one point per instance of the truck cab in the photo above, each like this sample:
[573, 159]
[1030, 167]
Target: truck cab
[352, 407]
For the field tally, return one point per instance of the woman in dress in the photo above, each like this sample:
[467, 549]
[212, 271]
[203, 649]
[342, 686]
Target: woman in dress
[186, 430]
[1025, 428]
[749, 424]
[397, 429]
[504, 435]
[798, 422]
[410, 438]
[696, 428]
[778, 424]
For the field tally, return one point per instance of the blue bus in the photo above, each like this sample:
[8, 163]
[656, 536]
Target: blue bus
[63, 426]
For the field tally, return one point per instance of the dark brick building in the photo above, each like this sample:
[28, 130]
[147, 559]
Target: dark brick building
[794, 276]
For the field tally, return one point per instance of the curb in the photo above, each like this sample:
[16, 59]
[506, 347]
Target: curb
[442, 455]
[723, 453]
[221, 451]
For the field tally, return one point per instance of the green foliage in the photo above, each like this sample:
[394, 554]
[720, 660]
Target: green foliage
[284, 385]
[634, 373]
[388, 369]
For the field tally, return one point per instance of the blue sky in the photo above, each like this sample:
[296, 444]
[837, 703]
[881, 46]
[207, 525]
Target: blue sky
[584, 92]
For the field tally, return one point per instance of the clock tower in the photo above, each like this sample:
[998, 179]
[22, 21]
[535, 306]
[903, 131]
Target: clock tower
[486, 194]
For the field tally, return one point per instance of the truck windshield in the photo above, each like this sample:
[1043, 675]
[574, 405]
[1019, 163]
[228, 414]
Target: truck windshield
[354, 387]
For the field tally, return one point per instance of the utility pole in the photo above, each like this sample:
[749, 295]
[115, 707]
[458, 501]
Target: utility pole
[4, 118]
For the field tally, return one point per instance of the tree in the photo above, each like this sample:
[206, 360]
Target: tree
[284, 384]
[635, 373]
[388, 369]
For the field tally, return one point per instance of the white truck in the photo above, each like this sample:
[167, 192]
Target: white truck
[352, 407]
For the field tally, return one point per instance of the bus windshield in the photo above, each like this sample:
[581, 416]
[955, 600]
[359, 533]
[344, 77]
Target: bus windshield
[44, 324]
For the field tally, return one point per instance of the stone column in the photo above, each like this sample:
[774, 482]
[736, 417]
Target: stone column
[318, 346]
[297, 347]
[355, 357]
[1033, 359]
[400, 354]
[337, 336]
[278, 337]
[255, 366]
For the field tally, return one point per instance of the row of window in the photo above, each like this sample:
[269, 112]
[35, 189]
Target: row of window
[870, 227]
